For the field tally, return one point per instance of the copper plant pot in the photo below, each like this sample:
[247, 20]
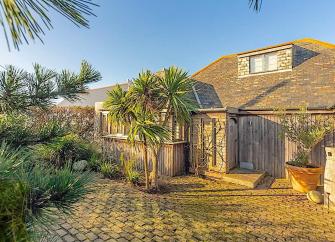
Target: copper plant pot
[304, 179]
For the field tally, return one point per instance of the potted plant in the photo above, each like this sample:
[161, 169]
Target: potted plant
[306, 131]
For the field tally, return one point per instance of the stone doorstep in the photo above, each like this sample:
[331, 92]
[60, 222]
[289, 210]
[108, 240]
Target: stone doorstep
[249, 179]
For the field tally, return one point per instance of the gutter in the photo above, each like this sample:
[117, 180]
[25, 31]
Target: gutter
[224, 109]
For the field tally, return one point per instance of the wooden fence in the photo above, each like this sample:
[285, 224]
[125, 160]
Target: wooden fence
[171, 158]
[259, 142]
[246, 136]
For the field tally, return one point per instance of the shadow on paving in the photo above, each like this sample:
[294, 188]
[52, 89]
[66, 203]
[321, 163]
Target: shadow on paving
[194, 209]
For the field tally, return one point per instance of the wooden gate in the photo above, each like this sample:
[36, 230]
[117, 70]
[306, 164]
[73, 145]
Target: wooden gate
[232, 145]
[260, 143]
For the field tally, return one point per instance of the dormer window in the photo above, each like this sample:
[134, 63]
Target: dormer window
[264, 63]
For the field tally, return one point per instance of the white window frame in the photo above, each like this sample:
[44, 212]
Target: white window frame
[265, 58]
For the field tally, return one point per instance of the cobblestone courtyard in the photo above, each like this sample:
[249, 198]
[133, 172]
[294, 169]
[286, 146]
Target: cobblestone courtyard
[194, 209]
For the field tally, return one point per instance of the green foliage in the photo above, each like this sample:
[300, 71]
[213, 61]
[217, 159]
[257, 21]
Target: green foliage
[305, 130]
[128, 170]
[38, 187]
[94, 162]
[64, 149]
[15, 129]
[22, 91]
[255, 4]
[28, 19]
[49, 140]
[141, 108]
[134, 177]
[175, 93]
[57, 188]
[110, 170]
[13, 195]
[49, 130]
[12, 211]
[301, 159]
[29, 193]
[119, 101]
[21, 130]
[148, 130]
[77, 120]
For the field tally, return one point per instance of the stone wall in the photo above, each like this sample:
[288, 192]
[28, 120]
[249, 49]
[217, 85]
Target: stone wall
[208, 142]
[243, 66]
[284, 59]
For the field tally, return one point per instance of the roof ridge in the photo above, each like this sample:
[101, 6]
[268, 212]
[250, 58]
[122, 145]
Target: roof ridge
[308, 40]
[212, 63]
[315, 41]
[108, 86]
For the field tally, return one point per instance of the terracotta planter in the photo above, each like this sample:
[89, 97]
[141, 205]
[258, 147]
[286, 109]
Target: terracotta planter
[304, 179]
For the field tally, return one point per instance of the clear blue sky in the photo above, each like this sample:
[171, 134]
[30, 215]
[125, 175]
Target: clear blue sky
[128, 36]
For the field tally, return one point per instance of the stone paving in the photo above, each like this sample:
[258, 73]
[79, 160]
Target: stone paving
[194, 209]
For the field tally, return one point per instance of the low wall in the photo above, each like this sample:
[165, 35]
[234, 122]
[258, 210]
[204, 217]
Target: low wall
[171, 157]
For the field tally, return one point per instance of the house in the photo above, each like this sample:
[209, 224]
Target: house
[240, 92]
[236, 125]
[91, 97]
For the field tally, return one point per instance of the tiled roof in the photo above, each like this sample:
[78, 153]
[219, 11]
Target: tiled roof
[91, 97]
[311, 81]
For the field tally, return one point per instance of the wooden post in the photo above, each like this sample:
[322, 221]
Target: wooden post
[214, 141]
[202, 140]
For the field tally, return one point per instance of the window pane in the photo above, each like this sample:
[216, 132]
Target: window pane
[256, 64]
[271, 62]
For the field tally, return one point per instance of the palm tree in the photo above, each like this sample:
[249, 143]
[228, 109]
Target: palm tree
[136, 109]
[144, 94]
[175, 88]
[150, 134]
[28, 19]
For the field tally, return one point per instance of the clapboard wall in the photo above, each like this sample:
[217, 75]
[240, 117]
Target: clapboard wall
[259, 142]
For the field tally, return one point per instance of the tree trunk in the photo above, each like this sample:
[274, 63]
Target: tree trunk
[154, 173]
[145, 164]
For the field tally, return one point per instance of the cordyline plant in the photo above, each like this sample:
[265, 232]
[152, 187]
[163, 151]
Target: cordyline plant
[147, 108]
[136, 109]
[306, 130]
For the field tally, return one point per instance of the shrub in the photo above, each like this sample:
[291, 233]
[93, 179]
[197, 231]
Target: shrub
[30, 192]
[78, 120]
[94, 162]
[50, 130]
[110, 170]
[22, 130]
[306, 131]
[12, 210]
[128, 170]
[64, 149]
[15, 129]
[134, 177]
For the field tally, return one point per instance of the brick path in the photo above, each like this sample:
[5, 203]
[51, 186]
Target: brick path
[195, 209]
